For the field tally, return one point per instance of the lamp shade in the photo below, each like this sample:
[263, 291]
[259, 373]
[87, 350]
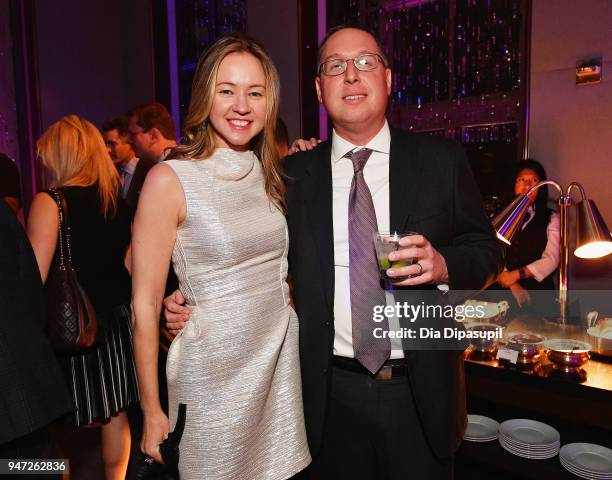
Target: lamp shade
[508, 222]
[593, 239]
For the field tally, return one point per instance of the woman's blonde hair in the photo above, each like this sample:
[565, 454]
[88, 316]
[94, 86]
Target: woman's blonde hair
[199, 137]
[73, 150]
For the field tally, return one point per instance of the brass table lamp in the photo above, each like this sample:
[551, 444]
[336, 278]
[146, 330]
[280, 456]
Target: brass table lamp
[593, 238]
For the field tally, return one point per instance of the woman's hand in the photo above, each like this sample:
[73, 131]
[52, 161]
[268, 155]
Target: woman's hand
[506, 279]
[155, 430]
[521, 294]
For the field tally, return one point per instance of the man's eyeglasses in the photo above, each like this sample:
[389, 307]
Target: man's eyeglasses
[365, 63]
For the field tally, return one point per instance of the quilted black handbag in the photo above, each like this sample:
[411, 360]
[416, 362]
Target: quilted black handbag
[143, 467]
[71, 323]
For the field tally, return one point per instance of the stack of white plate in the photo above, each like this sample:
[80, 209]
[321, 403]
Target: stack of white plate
[587, 460]
[481, 429]
[529, 439]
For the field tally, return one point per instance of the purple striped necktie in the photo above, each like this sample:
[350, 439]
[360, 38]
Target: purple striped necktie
[366, 291]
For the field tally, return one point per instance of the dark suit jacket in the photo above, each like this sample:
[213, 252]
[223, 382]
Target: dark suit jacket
[133, 194]
[33, 392]
[432, 191]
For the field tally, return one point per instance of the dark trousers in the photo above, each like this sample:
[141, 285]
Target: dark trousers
[372, 432]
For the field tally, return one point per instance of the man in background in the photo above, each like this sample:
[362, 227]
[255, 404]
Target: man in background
[132, 169]
[116, 137]
[152, 131]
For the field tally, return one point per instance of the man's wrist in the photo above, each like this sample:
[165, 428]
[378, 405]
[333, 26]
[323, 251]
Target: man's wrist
[444, 277]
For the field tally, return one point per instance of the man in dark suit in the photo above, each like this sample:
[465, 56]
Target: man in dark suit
[376, 410]
[132, 193]
[132, 169]
[33, 392]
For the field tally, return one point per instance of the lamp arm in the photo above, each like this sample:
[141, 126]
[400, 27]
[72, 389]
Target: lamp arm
[546, 182]
[579, 186]
[564, 203]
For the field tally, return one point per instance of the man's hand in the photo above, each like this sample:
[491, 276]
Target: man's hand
[429, 265]
[302, 145]
[175, 312]
[521, 294]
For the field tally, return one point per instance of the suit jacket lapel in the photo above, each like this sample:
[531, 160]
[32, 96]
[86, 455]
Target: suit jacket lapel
[405, 167]
[318, 195]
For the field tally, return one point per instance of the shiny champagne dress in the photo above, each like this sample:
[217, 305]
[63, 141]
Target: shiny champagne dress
[236, 363]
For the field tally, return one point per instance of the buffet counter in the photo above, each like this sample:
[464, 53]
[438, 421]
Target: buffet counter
[578, 403]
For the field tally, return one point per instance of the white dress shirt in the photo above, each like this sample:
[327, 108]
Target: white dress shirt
[376, 174]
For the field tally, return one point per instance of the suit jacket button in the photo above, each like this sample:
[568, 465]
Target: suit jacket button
[327, 323]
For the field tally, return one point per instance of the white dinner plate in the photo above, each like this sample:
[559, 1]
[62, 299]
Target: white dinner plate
[480, 440]
[583, 473]
[513, 442]
[528, 452]
[480, 427]
[529, 432]
[529, 455]
[588, 457]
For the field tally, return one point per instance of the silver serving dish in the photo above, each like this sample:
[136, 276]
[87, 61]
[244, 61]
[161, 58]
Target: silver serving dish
[484, 345]
[529, 345]
[487, 312]
[568, 354]
[600, 336]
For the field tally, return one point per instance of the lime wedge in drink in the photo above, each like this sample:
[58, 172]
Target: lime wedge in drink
[384, 263]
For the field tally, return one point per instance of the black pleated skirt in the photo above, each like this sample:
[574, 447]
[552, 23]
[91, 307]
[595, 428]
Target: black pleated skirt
[103, 378]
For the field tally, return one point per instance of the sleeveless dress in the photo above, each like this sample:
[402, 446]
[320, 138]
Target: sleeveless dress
[236, 363]
[102, 378]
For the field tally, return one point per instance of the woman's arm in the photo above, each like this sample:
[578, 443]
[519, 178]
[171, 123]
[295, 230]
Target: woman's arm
[161, 208]
[43, 224]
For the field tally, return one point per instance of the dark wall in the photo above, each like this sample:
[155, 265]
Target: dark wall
[570, 125]
[275, 24]
[95, 57]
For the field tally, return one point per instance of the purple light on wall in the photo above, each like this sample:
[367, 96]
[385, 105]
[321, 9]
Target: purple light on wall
[173, 66]
[321, 29]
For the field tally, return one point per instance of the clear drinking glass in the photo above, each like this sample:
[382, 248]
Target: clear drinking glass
[385, 243]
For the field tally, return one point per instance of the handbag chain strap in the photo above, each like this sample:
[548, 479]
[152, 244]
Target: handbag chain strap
[65, 262]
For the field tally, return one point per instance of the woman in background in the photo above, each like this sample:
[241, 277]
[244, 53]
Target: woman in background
[534, 254]
[102, 378]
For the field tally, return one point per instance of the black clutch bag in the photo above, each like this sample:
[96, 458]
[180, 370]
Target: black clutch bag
[143, 467]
